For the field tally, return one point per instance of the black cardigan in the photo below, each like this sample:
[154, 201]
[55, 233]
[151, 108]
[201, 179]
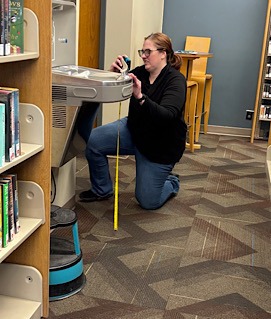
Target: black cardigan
[157, 126]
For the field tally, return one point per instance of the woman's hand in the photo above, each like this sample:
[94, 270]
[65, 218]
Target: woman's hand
[116, 66]
[136, 86]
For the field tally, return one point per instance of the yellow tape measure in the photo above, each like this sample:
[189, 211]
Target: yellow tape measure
[116, 199]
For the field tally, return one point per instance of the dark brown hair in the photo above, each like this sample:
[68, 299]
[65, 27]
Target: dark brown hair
[162, 41]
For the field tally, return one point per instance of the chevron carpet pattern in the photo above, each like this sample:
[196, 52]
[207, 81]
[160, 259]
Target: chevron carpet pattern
[205, 254]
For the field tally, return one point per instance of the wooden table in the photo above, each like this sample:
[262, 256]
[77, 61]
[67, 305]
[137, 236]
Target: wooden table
[187, 64]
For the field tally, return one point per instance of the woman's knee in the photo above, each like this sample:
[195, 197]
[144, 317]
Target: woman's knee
[96, 140]
[148, 200]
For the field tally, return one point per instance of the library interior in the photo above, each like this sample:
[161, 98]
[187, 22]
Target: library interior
[74, 67]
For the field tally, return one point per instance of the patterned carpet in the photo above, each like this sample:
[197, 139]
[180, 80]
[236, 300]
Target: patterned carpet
[205, 254]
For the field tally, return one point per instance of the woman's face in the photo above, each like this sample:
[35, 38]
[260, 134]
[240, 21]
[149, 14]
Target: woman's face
[156, 59]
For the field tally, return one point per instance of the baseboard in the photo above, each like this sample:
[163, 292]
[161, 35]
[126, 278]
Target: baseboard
[228, 130]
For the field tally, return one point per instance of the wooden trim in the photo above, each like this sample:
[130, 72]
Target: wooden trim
[260, 78]
[33, 78]
[89, 33]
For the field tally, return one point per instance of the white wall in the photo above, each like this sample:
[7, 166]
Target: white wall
[127, 22]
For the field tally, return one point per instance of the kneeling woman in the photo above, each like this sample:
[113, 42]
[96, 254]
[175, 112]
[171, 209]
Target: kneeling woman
[154, 131]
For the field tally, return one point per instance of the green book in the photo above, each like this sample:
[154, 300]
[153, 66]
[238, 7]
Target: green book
[5, 225]
[15, 207]
[17, 26]
[1, 233]
[11, 221]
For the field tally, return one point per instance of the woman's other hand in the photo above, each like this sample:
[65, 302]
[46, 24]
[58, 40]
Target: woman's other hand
[136, 86]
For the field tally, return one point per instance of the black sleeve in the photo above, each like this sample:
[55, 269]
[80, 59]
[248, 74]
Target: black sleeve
[169, 101]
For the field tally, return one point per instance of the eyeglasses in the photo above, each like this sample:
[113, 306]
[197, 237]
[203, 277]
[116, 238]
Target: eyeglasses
[147, 52]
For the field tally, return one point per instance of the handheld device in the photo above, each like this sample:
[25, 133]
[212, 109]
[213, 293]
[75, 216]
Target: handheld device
[127, 61]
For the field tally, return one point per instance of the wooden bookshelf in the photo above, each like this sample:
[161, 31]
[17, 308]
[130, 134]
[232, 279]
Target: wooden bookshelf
[32, 75]
[257, 122]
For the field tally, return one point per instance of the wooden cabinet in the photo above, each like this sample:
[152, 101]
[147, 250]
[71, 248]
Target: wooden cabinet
[261, 125]
[26, 260]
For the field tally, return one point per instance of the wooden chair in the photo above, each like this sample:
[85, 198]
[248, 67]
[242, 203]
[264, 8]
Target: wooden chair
[190, 112]
[205, 81]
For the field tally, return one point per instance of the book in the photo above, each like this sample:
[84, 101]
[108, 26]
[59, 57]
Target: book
[2, 28]
[5, 225]
[186, 51]
[7, 131]
[6, 27]
[16, 104]
[17, 26]
[2, 134]
[6, 97]
[11, 224]
[1, 233]
[15, 206]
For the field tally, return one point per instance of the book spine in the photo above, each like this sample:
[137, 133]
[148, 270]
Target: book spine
[6, 97]
[11, 224]
[8, 133]
[12, 119]
[17, 124]
[2, 134]
[1, 222]
[6, 27]
[15, 204]
[15, 109]
[2, 28]
[267, 112]
[17, 26]
[7, 129]
[5, 225]
[262, 111]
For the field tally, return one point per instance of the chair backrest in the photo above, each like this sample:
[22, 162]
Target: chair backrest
[199, 44]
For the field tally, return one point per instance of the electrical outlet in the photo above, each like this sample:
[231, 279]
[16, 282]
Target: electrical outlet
[249, 114]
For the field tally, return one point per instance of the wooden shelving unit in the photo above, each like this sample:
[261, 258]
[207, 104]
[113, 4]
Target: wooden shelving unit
[268, 168]
[257, 121]
[24, 268]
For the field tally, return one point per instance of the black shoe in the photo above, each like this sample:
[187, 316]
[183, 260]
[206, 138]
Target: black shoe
[89, 196]
[176, 175]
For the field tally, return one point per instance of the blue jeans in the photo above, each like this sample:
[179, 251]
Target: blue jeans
[154, 185]
[86, 118]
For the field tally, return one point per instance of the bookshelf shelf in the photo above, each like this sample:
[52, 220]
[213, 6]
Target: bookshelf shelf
[16, 308]
[32, 134]
[24, 263]
[19, 57]
[32, 216]
[28, 150]
[25, 302]
[31, 39]
[28, 226]
[31, 210]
